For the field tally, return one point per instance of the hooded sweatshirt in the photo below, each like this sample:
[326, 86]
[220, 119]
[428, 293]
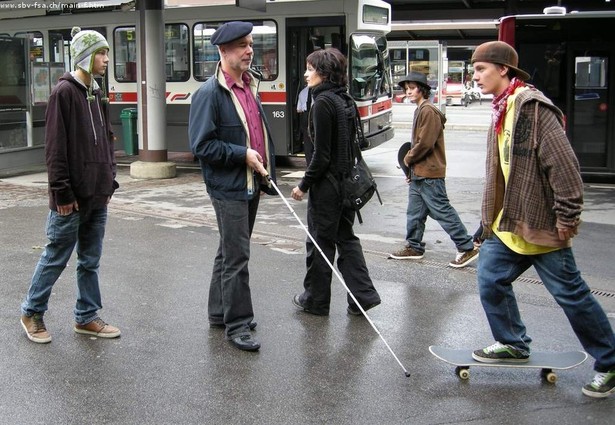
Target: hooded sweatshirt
[427, 158]
[544, 189]
[78, 146]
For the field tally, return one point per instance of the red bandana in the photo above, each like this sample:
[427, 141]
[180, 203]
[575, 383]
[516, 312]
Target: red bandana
[500, 102]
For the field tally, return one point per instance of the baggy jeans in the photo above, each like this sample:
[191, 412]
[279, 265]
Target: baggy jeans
[499, 266]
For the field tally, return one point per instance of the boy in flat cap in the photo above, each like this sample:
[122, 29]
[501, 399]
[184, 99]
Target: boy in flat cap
[232, 140]
[426, 164]
[532, 202]
[81, 173]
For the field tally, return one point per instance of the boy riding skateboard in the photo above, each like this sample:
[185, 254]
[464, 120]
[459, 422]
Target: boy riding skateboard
[532, 202]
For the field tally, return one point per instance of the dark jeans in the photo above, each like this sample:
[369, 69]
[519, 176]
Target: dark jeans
[499, 266]
[331, 227]
[230, 300]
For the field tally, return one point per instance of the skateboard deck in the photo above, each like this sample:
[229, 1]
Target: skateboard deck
[401, 154]
[545, 361]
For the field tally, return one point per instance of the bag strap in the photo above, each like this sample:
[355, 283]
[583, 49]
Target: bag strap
[356, 146]
[356, 150]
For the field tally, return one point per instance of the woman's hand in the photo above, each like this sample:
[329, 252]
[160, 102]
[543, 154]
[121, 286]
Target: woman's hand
[297, 194]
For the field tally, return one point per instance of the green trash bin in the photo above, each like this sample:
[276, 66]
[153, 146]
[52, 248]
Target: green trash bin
[129, 131]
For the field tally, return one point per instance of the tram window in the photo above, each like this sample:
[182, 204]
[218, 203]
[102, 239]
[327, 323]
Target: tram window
[265, 47]
[205, 54]
[385, 65]
[13, 94]
[125, 54]
[324, 36]
[177, 54]
[399, 63]
[589, 109]
[375, 15]
[546, 64]
[367, 68]
[590, 72]
[59, 49]
[37, 52]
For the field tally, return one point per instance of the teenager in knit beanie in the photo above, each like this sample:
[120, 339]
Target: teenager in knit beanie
[83, 48]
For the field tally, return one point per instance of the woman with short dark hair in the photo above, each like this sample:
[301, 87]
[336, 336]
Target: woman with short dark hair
[329, 223]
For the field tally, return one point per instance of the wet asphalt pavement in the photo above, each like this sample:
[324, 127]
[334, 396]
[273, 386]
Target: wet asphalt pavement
[169, 367]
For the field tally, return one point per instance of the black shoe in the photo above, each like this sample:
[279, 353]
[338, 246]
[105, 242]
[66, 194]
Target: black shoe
[252, 325]
[246, 343]
[354, 310]
[297, 303]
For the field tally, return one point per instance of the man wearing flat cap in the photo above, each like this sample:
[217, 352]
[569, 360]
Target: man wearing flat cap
[531, 208]
[232, 140]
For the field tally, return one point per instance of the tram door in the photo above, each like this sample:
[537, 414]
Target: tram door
[304, 35]
[590, 118]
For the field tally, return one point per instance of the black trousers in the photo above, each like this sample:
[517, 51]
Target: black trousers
[230, 299]
[331, 227]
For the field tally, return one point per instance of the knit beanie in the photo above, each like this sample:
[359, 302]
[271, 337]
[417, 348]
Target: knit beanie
[83, 48]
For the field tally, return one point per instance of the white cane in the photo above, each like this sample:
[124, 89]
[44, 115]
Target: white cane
[336, 274]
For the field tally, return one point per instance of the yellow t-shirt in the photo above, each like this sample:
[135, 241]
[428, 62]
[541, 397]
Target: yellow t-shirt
[512, 241]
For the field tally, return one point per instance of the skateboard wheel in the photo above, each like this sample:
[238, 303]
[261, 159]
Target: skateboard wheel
[462, 372]
[549, 376]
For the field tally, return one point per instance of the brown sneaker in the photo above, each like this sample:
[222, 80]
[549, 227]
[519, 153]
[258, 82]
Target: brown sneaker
[99, 328]
[464, 258]
[406, 254]
[35, 328]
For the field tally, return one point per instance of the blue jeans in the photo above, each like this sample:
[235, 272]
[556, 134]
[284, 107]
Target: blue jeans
[427, 197]
[498, 267]
[85, 231]
[230, 300]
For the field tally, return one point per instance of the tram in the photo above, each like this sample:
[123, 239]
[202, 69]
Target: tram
[283, 37]
[571, 58]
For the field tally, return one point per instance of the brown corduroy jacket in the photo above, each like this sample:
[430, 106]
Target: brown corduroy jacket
[545, 189]
[427, 158]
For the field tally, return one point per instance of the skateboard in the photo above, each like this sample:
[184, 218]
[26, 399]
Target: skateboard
[401, 154]
[546, 362]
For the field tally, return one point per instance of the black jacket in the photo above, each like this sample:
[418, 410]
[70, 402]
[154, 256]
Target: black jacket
[219, 139]
[324, 133]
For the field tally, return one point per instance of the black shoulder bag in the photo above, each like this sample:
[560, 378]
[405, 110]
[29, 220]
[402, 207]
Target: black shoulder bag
[357, 184]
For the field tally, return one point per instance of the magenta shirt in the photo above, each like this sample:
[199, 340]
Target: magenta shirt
[250, 109]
